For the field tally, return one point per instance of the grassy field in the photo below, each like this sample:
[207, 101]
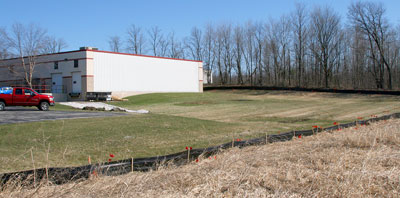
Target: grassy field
[178, 120]
[266, 111]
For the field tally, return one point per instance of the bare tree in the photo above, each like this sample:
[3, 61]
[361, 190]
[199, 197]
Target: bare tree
[163, 47]
[299, 23]
[53, 45]
[325, 25]
[194, 44]
[396, 57]
[26, 42]
[238, 52]
[155, 37]
[259, 37]
[115, 43]
[209, 45]
[359, 57]
[284, 42]
[136, 40]
[369, 18]
[225, 33]
[273, 50]
[219, 54]
[249, 49]
[4, 45]
[278, 35]
[175, 47]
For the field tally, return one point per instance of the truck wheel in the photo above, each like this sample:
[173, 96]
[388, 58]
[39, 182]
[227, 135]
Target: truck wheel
[2, 106]
[44, 106]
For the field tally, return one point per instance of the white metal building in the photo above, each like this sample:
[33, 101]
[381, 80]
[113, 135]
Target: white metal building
[75, 73]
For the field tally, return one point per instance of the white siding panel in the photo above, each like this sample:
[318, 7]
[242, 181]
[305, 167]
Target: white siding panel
[116, 72]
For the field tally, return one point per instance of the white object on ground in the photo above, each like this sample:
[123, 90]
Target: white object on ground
[98, 105]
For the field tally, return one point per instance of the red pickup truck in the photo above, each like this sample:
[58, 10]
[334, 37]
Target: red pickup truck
[20, 96]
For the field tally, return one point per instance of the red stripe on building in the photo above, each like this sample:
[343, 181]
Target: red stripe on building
[87, 76]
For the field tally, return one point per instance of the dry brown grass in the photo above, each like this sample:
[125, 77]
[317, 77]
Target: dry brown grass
[348, 163]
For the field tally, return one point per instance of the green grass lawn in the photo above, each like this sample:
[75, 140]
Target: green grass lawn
[178, 120]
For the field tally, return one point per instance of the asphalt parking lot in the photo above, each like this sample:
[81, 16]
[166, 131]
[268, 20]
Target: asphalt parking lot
[21, 114]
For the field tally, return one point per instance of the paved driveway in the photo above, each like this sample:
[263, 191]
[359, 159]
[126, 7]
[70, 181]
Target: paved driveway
[21, 114]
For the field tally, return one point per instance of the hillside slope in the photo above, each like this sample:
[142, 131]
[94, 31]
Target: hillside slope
[356, 162]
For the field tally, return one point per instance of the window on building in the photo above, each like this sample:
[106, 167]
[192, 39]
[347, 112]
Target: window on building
[56, 65]
[76, 63]
[18, 91]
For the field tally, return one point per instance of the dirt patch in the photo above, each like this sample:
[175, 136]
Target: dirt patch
[243, 100]
[196, 103]
[276, 119]
[293, 119]
[259, 93]
[295, 112]
[369, 112]
[93, 109]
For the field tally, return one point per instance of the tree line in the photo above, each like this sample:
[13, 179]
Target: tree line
[304, 48]
[308, 47]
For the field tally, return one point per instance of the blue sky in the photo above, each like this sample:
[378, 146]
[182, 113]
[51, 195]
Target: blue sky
[92, 22]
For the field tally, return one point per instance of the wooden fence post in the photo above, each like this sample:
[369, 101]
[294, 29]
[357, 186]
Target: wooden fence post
[34, 169]
[188, 155]
[132, 164]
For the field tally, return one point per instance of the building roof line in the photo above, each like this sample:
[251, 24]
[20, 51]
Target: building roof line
[101, 51]
[43, 55]
[148, 56]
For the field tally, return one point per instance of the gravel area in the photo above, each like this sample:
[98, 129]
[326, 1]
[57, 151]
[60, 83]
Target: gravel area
[23, 114]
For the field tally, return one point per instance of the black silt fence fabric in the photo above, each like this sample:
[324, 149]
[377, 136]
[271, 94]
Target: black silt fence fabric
[68, 174]
[347, 91]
